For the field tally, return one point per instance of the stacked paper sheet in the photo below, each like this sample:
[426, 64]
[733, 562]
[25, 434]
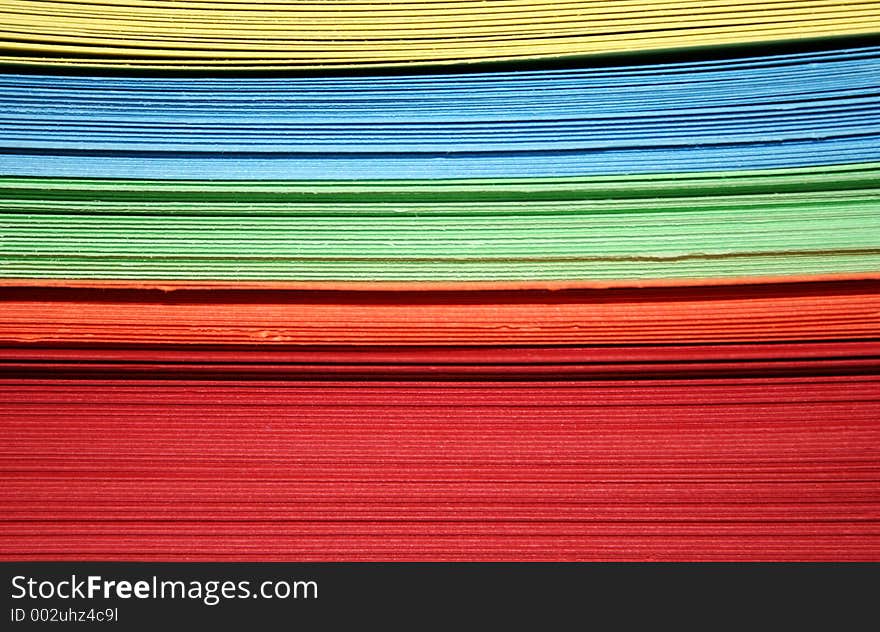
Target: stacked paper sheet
[165, 35]
[580, 308]
[601, 454]
[769, 112]
[585, 231]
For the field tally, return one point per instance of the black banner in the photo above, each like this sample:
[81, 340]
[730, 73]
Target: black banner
[132, 596]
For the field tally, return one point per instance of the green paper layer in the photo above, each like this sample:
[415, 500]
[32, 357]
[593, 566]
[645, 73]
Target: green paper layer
[774, 222]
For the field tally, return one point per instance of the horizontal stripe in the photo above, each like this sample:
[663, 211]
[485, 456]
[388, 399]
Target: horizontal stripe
[782, 110]
[802, 223]
[202, 35]
[783, 312]
[741, 469]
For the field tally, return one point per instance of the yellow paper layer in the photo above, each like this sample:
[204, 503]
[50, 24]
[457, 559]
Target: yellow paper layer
[155, 33]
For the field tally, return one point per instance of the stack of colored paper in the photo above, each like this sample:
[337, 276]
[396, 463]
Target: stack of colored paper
[604, 285]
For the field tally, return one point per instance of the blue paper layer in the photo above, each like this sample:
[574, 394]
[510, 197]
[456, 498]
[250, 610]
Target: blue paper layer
[786, 110]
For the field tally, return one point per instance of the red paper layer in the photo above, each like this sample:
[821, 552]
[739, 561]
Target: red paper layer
[749, 313]
[429, 286]
[736, 468]
[765, 360]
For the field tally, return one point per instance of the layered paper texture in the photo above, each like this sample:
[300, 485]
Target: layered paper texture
[494, 280]
[242, 35]
[781, 110]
